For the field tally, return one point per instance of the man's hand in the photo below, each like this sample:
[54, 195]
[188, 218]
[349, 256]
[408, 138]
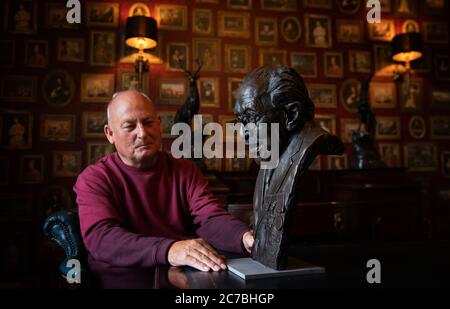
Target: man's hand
[248, 241]
[196, 253]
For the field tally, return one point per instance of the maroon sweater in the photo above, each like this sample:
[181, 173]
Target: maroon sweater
[129, 217]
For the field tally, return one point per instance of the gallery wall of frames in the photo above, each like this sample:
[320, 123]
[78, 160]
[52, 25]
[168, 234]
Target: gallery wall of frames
[56, 78]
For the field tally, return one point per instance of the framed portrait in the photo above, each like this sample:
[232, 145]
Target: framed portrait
[410, 25]
[17, 88]
[15, 244]
[440, 127]
[167, 121]
[16, 129]
[291, 30]
[4, 171]
[423, 64]
[31, 169]
[442, 67]
[383, 31]
[130, 55]
[284, 6]
[56, 16]
[333, 64]
[383, 95]
[233, 85]
[171, 17]
[97, 88]
[237, 58]
[66, 163]
[388, 128]
[7, 52]
[411, 96]
[420, 157]
[129, 80]
[318, 31]
[266, 31]
[272, 57]
[21, 16]
[209, 91]
[172, 91]
[316, 165]
[239, 4]
[93, 124]
[390, 154]
[97, 150]
[177, 56]
[359, 61]
[350, 93]
[318, 4]
[208, 51]
[57, 128]
[440, 99]
[349, 7]
[139, 9]
[348, 126]
[202, 22]
[36, 52]
[213, 164]
[323, 95]
[234, 24]
[102, 48]
[336, 163]
[417, 127]
[305, 64]
[384, 65]
[406, 8]
[70, 50]
[102, 14]
[327, 122]
[58, 88]
[445, 164]
[349, 31]
[435, 32]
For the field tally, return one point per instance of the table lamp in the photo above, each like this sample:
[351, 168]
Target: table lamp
[407, 47]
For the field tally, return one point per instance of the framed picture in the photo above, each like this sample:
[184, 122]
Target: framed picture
[442, 67]
[359, 61]
[383, 95]
[31, 169]
[16, 129]
[421, 157]
[102, 14]
[4, 171]
[70, 50]
[435, 4]
[209, 91]
[327, 122]
[58, 88]
[323, 95]
[234, 24]
[337, 162]
[15, 244]
[390, 154]
[348, 126]
[272, 57]
[383, 31]
[97, 150]
[435, 32]
[36, 53]
[233, 85]
[177, 54]
[21, 16]
[440, 99]
[384, 65]
[266, 31]
[284, 6]
[93, 124]
[349, 7]
[66, 163]
[417, 127]
[129, 80]
[102, 48]
[410, 25]
[333, 64]
[305, 64]
[208, 51]
[202, 21]
[239, 4]
[57, 128]
[291, 30]
[406, 8]
[321, 4]
[172, 91]
[7, 52]
[318, 31]
[56, 17]
[411, 96]
[350, 93]
[349, 31]
[237, 58]
[440, 127]
[167, 121]
[97, 88]
[139, 9]
[445, 163]
[171, 17]
[55, 198]
[388, 128]
[16, 88]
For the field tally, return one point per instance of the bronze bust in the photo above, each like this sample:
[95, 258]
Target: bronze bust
[279, 95]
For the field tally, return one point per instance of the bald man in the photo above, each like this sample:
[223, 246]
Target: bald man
[140, 207]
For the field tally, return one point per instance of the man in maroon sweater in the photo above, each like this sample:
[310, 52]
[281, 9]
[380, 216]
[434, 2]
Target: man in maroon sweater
[139, 207]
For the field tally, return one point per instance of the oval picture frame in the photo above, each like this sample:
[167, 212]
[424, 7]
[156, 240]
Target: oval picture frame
[417, 127]
[58, 88]
[135, 7]
[349, 98]
[412, 22]
[289, 37]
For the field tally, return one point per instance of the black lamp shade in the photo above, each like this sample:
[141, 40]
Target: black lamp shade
[141, 32]
[407, 47]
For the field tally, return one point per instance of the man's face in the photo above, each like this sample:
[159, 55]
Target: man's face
[135, 129]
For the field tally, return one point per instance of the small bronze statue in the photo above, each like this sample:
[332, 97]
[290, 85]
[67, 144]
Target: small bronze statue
[279, 95]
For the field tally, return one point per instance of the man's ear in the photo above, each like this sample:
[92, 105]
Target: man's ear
[292, 113]
[109, 133]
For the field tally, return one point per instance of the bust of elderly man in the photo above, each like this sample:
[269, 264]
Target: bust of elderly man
[279, 95]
